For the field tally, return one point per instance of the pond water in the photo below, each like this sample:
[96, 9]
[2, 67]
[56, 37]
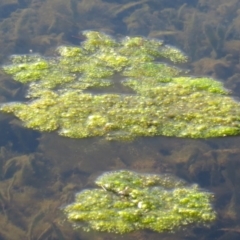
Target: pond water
[41, 172]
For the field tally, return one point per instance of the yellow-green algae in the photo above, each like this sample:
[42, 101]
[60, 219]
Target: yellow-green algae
[163, 100]
[128, 201]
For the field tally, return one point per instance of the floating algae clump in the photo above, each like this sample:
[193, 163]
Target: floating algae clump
[128, 201]
[75, 92]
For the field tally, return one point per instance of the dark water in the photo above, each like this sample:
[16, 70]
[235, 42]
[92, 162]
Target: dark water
[41, 172]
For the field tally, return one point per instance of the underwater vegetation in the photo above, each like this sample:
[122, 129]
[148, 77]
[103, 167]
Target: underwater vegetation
[128, 201]
[66, 92]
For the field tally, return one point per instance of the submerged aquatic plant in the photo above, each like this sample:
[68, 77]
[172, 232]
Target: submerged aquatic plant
[157, 99]
[128, 201]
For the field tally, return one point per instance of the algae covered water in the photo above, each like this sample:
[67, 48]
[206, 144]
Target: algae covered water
[123, 72]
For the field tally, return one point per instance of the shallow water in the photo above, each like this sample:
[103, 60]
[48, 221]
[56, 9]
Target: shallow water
[41, 172]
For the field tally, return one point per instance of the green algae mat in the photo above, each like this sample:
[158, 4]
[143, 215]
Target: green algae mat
[126, 201]
[73, 92]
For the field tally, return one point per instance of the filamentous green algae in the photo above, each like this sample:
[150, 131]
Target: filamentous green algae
[72, 92]
[127, 201]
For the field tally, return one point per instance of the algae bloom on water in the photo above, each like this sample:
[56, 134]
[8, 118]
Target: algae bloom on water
[75, 92]
[127, 201]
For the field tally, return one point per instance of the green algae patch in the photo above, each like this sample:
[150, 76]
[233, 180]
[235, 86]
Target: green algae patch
[127, 201]
[72, 92]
